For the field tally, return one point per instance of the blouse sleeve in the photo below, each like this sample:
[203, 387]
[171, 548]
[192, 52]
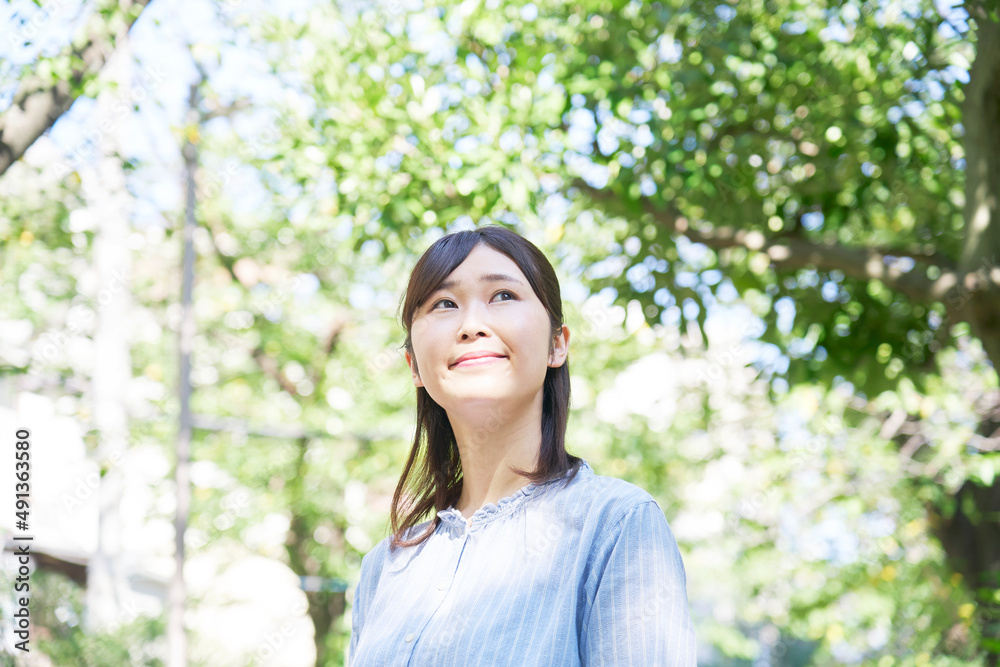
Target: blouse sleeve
[360, 601]
[638, 614]
[357, 612]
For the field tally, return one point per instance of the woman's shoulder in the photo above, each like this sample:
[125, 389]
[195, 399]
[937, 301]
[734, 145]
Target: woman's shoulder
[603, 498]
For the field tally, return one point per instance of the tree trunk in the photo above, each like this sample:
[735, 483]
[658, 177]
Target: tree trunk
[325, 606]
[981, 121]
[176, 632]
[968, 524]
[108, 200]
[968, 527]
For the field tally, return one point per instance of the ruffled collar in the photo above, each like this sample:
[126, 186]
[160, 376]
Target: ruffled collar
[490, 511]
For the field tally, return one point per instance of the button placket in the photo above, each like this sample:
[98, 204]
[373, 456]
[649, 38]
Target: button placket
[442, 587]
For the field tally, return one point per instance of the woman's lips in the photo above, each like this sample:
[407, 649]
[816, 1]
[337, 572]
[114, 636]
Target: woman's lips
[480, 361]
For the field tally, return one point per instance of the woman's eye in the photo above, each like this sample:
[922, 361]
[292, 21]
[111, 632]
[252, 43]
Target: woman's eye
[507, 292]
[513, 297]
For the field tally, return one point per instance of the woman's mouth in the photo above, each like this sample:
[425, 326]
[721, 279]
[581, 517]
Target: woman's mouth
[479, 361]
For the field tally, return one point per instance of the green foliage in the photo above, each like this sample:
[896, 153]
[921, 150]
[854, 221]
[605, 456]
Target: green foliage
[57, 614]
[717, 131]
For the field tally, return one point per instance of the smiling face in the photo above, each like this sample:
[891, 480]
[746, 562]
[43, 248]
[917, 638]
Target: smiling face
[485, 305]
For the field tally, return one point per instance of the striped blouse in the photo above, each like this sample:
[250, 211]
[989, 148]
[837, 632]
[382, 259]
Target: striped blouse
[585, 573]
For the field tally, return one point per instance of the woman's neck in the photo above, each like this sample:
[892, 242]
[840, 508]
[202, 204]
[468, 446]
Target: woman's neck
[489, 445]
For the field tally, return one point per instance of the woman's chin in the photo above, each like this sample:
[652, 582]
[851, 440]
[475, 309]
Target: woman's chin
[471, 401]
[479, 385]
[471, 396]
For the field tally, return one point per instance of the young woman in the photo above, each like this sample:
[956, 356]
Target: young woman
[530, 558]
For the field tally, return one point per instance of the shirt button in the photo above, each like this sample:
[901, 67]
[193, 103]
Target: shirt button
[409, 637]
[442, 586]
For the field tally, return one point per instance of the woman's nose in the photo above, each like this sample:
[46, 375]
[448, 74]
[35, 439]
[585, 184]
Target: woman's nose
[474, 322]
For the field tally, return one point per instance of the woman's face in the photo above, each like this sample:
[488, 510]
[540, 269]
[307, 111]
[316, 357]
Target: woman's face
[484, 306]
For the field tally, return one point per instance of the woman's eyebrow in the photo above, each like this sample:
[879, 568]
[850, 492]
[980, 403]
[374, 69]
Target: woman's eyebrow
[485, 278]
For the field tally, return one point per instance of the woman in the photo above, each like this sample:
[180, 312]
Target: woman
[530, 557]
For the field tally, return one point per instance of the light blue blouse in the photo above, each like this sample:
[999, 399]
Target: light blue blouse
[581, 574]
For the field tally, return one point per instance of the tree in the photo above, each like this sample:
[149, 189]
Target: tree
[806, 160]
[50, 88]
[843, 165]
[675, 157]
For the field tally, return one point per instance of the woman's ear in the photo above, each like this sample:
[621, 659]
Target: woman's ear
[560, 348]
[412, 363]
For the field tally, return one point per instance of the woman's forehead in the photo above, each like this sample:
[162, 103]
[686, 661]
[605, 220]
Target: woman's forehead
[494, 267]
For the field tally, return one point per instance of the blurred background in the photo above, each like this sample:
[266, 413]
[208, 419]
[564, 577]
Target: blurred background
[775, 225]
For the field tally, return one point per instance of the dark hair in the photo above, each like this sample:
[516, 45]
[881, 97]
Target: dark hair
[435, 483]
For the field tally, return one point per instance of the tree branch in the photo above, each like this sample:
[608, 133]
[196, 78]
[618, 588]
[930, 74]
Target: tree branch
[267, 364]
[927, 254]
[39, 103]
[270, 367]
[790, 252]
[225, 111]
